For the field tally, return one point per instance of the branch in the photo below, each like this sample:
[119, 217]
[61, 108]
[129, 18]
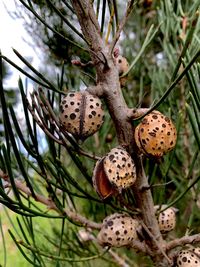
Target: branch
[183, 241]
[75, 217]
[121, 26]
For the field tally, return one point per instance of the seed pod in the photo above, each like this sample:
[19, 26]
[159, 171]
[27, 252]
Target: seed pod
[155, 135]
[166, 219]
[114, 172]
[122, 66]
[118, 229]
[188, 258]
[81, 114]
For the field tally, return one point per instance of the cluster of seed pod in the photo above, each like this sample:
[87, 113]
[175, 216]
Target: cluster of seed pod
[81, 114]
[118, 229]
[114, 172]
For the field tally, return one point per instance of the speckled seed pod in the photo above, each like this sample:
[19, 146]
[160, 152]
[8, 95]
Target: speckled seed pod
[114, 172]
[166, 219]
[122, 66]
[188, 258]
[118, 230]
[81, 114]
[155, 135]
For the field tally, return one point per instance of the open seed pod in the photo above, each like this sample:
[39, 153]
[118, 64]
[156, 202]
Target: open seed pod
[166, 219]
[118, 229]
[114, 172]
[188, 258]
[155, 135]
[81, 114]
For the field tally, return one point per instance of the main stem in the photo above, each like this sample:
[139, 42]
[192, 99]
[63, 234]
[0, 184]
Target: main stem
[108, 80]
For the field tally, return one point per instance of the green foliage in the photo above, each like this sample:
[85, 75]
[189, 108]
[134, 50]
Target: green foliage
[162, 46]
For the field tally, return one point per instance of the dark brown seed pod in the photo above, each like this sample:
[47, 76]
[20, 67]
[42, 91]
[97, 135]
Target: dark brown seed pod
[155, 135]
[118, 229]
[81, 114]
[114, 172]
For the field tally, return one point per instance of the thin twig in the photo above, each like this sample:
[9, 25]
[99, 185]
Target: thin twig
[156, 242]
[183, 241]
[48, 202]
[121, 26]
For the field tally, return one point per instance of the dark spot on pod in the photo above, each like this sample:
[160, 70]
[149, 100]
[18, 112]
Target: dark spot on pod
[91, 106]
[157, 128]
[129, 165]
[72, 116]
[72, 103]
[168, 133]
[142, 130]
[109, 170]
[110, 223]
[62, 110]
[184, 259]
[144, 121]
[119, 61]
[64, 102]
[154, 117]
[164, 125]
[118, 239]
[124, 159]
[167, 119]
[152, 134]
[77, 109]
[71, 95]
[90, 116]
[117, 232]
[110, 238]
[97, 104]
[125, 232]
[171, 143]
[111, 157]
[66, 106]
[93, 113]
[144, 141]
[91, 99]
[118, 166]
[66, 116]
[98, 125]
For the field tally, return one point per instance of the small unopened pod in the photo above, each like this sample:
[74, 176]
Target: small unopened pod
[188, 258]
[118, 229]
[122, 66]
[166, 219]
[155, 135]
[114, 172]
[81, 114]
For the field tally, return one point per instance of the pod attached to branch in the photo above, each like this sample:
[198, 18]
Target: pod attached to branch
[188, 258]
[155, 135]
[118, 229]
[81, 114]
[114, 172]
[166, 219]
